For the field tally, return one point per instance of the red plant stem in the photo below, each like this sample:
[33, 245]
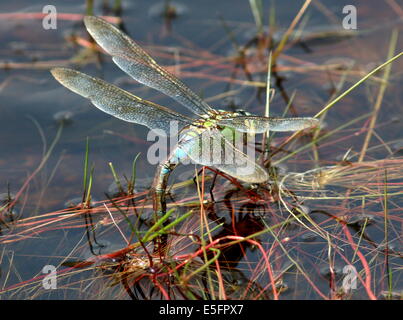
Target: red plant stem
[269, 270]
[363, 261]
[217, 241]
[161, 288]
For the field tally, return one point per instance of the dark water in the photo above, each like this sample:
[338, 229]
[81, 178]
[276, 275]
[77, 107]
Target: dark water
[30, 98]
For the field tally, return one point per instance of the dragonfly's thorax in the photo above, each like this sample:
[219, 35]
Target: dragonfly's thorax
[211, 120]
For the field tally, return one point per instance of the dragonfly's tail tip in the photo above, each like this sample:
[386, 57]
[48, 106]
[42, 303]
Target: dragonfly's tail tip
[55, 72]
[59, 72]
[93, 20]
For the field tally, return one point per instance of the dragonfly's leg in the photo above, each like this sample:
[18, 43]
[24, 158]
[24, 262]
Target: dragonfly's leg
[212, 185]
[160, 186]
[197, 176]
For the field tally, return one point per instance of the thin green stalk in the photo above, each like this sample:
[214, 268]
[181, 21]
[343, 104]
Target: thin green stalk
[268, 95]
[153, 232]
[85, 176]
[205, 265]
[290, 29]
[321, 138]
[362, 80]
[131, 226]
[90, 7]
[266, 136]
[272, 16]
[382, 89]
[87, 202]
[133, 177]
[362, 232]
[157, 224]
[257, 11]
[386, 230]
[115, 177]
[203, 242]
[218, 226]
[117, 7]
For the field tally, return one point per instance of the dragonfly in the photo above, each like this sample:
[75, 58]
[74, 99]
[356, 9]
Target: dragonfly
[201, 138]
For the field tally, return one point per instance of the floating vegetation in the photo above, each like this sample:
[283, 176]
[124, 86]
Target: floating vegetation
[358, 180]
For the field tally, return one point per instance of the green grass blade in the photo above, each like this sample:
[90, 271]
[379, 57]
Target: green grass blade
[133, 177]
[361, 81]
[85, 176]
[116, 178]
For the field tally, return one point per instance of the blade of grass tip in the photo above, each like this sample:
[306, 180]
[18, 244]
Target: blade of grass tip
[331, 104]
[287, 34]
[213, 229]
[266, 136]
[88, 193]
[133, 177]
[386, 231]
[90, 7]
[87, 151]
[116, 178]
[382, 89]
[117, 7]
[257, 11]
[41, 133]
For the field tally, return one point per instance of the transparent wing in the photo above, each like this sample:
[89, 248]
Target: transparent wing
[118, 102]
[132, 59]
[256, 124]
[211, 148]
